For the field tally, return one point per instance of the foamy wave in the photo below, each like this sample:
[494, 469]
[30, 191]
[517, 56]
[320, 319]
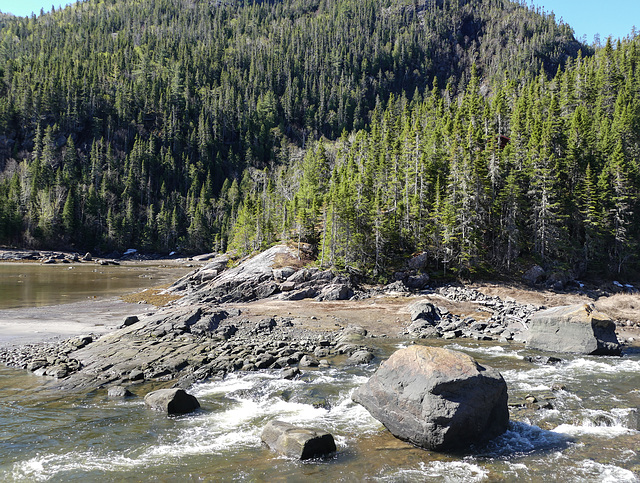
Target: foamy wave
[604, 365]
[607, 424]
[593, 471]
[42, 468]
[491, 351]
[441, 471]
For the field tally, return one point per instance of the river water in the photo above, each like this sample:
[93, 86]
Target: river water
[589, 433]
[35, 285]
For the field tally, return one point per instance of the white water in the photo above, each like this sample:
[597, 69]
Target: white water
[589, 435]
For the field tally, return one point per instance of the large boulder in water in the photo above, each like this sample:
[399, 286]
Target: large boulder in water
[577, 329]
[436, 398]
[171, 401]
[296, 442]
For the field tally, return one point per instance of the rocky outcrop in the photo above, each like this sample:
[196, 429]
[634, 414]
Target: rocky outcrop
[260, 277]
[171, 401]
[578, 329]
[296, 442]
[178, 346]
[436, 399]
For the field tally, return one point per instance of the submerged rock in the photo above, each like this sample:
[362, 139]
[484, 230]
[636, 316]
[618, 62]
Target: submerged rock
[436, 398]
[577, 329]
[171, 401]
[296, 442]
[119, 392]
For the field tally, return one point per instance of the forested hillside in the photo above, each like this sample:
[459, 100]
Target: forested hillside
[548, 170]
[181, 124]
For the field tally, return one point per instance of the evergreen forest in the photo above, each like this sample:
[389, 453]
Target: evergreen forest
[479, 132]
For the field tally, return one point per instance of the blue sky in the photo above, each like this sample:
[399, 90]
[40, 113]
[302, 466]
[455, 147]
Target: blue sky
[587, 17]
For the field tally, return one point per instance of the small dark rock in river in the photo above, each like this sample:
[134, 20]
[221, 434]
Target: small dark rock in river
[171, 401]
[436, 399]
[296, 442]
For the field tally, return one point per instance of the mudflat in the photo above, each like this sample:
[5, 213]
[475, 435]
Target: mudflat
[58, 322]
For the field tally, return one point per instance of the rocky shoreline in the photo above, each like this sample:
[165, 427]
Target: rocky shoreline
[213, 329]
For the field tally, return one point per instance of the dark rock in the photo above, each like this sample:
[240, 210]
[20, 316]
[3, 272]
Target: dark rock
[265, 325]
[300, 276]
[534, 274]
[266, 289]
[136, 375]
[37, 364]
[81, 342]
[290, 373]
[281, 274]
[308, 361]
[542, 359]
[577, 329]
[87, 257]
[340, 291]
[417, 282]
[130, 320]
[323, 276]
[419, 261]
[425, 311]
[305, 293]
[436, 398]
[287, 286]
[119, 392]
[296, 442]
[171, 401]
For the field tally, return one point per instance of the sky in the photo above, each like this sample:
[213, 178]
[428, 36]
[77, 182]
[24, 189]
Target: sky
[587, 17]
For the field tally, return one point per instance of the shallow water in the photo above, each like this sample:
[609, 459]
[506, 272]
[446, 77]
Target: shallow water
[34, 285]
[589, 436]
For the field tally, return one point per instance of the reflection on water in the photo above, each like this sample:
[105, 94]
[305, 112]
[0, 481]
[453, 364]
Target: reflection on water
[589, 435]
[35, 285]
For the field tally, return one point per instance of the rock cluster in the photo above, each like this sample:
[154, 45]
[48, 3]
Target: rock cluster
[508, 319]
[436, 398]
[183, 345]
[256, 279]
[52, 359]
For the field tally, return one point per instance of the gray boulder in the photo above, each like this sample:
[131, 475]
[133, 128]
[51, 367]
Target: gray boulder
[419, 261]
[436, 398]
[577, 329]
[338, 291]
[171, 401]
[281, 274]
[425, 311]
[361, 357]
[120, 392]
[296, 442]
